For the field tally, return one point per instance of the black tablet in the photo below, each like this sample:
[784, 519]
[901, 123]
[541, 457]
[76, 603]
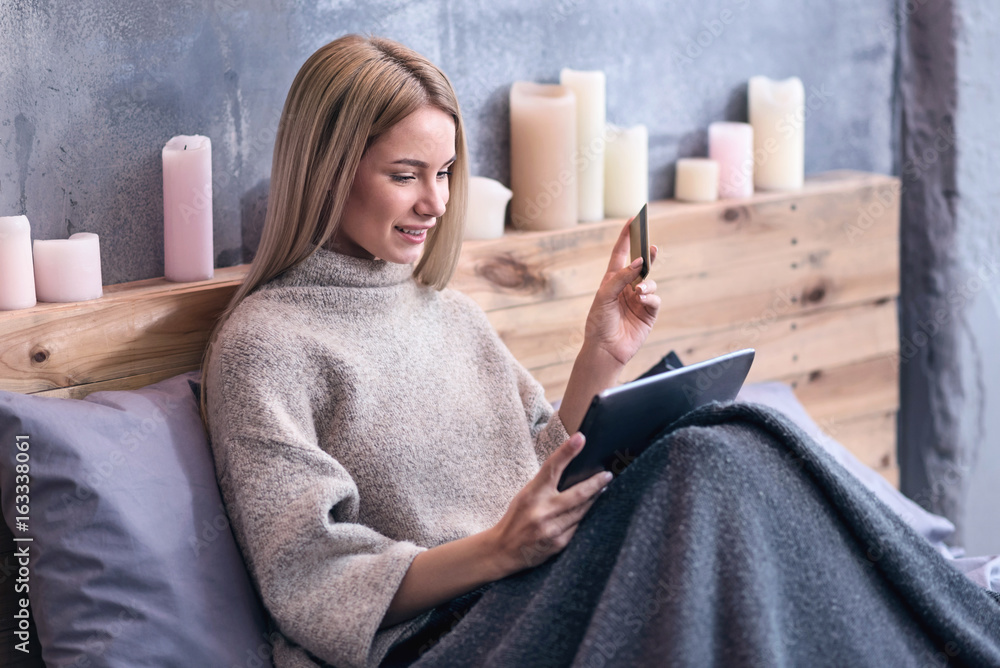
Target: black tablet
[622, 421]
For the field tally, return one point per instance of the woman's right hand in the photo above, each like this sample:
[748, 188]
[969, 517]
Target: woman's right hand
[541, 520]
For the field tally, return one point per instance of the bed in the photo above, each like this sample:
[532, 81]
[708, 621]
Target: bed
[810, 279]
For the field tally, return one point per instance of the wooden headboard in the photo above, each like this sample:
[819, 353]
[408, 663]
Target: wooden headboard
[809, 279]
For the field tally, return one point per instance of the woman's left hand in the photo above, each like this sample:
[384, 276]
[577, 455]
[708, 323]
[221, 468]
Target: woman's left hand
[621, 316]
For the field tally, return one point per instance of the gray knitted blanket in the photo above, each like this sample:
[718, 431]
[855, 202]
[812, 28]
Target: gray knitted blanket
[733, 541]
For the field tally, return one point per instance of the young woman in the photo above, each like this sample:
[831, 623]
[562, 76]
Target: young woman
[384, 458]
[379, 449]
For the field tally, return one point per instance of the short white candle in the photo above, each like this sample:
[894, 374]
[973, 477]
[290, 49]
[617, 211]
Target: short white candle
[487, 208]
[68, 270]
[187, 209]
[542, 145]
[731, 145]
[591, 110]
[697, 180]
[17, 278]
[626, 170]
[777, 114]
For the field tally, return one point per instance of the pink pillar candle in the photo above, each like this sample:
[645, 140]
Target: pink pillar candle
[731, 145]
[68, 270]
[17, 278]
[187, 209]
[542, 145]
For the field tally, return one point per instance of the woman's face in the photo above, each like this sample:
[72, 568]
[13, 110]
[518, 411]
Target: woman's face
[400, 189]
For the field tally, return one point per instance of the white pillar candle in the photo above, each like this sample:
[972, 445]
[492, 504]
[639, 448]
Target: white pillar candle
[487, 208]
[731, 145]
[17, 278]
[777, 114]
[68, 270]
[591, 110]
[542, 144]
[697, 180]
[626, 170]
[187, 209]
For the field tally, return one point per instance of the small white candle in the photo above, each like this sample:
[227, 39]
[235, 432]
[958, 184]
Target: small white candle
[68, 270]
[626, 170]
[731, 145]
[17, 278]
[697, 180]
[542, 145]
[487, 208]
[777, 114]
[591, 110]
[187, 209]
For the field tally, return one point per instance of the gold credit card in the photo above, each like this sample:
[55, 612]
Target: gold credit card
[639, 236]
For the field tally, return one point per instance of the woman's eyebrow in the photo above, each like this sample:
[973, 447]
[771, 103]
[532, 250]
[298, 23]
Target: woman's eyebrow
[413, 162]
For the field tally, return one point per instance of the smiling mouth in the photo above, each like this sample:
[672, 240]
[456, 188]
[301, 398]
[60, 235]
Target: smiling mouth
[413, 232]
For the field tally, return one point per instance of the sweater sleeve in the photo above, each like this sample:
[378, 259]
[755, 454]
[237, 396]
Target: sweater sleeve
[326, 580]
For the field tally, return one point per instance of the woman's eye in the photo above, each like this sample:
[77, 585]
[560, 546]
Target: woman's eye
[402, 178]
[445, 174]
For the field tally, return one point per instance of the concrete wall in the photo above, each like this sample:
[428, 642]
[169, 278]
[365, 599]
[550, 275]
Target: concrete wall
[978, 259]
[950, 371]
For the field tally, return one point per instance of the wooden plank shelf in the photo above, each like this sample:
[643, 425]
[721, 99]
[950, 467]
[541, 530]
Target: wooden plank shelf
[808, 278]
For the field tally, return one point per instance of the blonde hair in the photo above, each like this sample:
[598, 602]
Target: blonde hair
[344, 98]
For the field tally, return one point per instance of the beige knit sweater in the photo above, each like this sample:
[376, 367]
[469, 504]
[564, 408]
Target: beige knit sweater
[358, 418]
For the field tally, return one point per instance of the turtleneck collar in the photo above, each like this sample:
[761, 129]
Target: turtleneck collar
[326, 268]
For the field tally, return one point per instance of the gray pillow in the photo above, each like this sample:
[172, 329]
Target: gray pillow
[132, 561]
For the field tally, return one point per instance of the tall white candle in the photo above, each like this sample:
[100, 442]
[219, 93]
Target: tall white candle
[68, 270]
[777, 114]
[731, 145]
[17, 278]
[626, 170]
[542, 144]
[487, 208]
[697, 180]
[591, 110]
[187, 209]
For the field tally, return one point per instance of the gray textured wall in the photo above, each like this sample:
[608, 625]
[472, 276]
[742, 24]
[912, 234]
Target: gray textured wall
[950, 375]
[978, 257]
[91, 90]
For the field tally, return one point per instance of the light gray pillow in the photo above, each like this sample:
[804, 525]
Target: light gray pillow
[132, 561]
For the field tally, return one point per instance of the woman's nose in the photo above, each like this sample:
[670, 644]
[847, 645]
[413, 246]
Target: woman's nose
[433, 200]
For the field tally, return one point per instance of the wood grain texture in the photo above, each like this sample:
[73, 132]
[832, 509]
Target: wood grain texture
[134, 330]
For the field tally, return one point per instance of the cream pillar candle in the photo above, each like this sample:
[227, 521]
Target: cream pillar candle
[68, 270]
[187, 209]
[487, 208]
[591, 109]
[697, 180]
[17, 278]
[731, 145]
[542, 144]
[777, 114]
[626, 170]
